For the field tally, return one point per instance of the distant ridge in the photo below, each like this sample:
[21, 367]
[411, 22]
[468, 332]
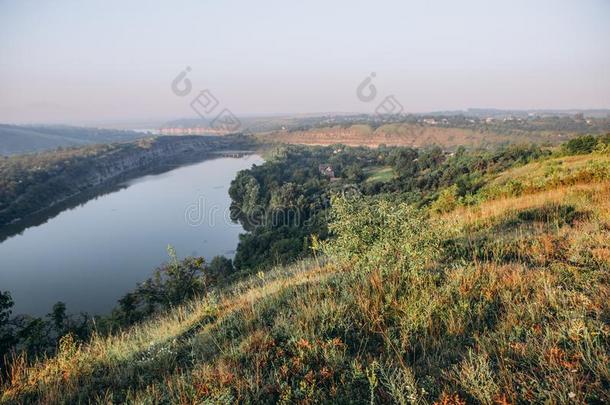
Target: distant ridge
[17, 139]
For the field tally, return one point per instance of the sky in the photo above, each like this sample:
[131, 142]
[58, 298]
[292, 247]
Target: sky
[103, 61]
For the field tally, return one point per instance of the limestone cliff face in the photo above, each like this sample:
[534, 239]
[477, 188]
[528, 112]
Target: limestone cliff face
[148, 154]
[411, 135]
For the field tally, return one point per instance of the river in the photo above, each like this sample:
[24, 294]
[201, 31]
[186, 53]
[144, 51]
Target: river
[91, 255]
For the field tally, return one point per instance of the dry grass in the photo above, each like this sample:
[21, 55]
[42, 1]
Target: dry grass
[548, 174]
[515, 309]
[578, 194]
[540, 169]
[75, 363]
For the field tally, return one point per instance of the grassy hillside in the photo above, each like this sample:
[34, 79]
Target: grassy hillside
[504, 298]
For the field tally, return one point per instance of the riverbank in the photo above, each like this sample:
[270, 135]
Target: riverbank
[34, 185]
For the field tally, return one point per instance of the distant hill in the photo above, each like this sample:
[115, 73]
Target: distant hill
[413, 135]
[493, 112]
[16, 139]
[448, 131]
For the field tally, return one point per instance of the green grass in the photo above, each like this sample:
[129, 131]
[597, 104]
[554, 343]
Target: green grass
[379, 174]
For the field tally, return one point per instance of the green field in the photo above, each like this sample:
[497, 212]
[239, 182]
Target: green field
[379, 174]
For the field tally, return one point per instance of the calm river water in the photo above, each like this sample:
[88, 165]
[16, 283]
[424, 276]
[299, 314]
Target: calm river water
[91, 255]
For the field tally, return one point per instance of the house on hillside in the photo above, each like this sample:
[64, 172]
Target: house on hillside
[326, 170]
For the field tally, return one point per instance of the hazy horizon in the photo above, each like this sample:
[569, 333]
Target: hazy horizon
[73, 63]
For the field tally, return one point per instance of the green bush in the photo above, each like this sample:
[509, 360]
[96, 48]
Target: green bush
[373, 233]
[586, 144]
[447, 200]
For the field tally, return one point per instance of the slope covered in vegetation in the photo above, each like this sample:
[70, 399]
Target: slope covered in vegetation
[35, 182]
[503, 296]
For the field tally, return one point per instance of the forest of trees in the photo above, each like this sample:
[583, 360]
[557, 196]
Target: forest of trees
[285, 200]
[502, 122]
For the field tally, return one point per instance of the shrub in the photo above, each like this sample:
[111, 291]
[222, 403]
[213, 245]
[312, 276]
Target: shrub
[580, 145]
[375, 233]
[446, 201]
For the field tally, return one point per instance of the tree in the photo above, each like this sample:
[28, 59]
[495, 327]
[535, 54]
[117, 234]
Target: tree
[354, 173]
[7, 338]
[181, 280]
[447, 200]
[58, 317]
[581, 145]
[128, 309]
[33, 334]
[172, 284]
[220, 268]
[6, 303]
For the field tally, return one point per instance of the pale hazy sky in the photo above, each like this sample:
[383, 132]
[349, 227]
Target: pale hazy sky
[109, 60]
